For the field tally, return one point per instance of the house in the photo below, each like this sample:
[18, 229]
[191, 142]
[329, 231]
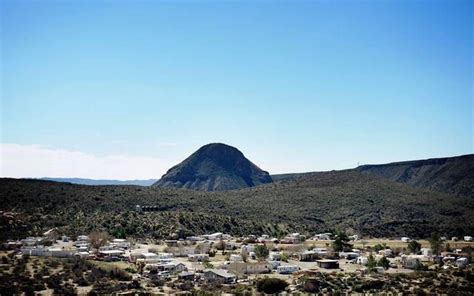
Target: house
[198, 257]
[287, 269]
[111, 255]
[405, 239]
[194, 238]
[82, 238]
[293, 238]
[362, 260]
[349, 255]
[249, 268]
[65, 238]
[32, 241]
[327, 263]
[219, 276]
[171, 243]
[150, 258]
[354, 237]
[323, 236]
[386, 253]
[186, 276]
[214, 236]
[323, 253]
[411, 261]
[308, 256]
[236, 258]
[468, 238]
[426, 252]
[454, 238]
[170, 267]
[247, 249]
[274, 256]
[462, 262]
[181, 251]
[120, 243]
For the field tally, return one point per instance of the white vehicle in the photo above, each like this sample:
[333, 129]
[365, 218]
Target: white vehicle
[287, 269]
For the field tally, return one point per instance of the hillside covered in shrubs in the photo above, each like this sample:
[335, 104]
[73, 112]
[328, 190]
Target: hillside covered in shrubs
[357, 202]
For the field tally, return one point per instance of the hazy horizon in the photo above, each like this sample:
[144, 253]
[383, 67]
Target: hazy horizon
[122, 90]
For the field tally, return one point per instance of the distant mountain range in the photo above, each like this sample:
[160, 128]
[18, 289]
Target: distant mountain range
[219, 167]
[83, 181]
[215, 167]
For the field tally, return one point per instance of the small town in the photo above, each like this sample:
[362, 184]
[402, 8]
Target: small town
[236, 147]
[325, 263]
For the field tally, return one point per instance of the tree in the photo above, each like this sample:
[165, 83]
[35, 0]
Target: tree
[271, 285]
[435, 243]
[220, 245]
[447, 247]
[384, 262]
[378, 247]
[119, 232]
[245, 255]
[207, 265]
[414, 247]
[261, 252]
[341, 242]
[98, 239]
[371, 263]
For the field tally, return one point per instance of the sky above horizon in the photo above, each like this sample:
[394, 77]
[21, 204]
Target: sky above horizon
[126, 89]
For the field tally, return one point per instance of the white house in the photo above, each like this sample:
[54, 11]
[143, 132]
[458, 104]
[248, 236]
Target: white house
[462, 262]
[362, 260]
[386, 252]
[405, 239]
[426, 252]
[198, 257]
[274, 256]
[323, 236]
[247, 249]
[236, 258]
[468, 238]
[214, 236]
[120, 243]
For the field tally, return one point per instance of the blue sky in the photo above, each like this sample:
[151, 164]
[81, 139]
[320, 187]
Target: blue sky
[297, 86]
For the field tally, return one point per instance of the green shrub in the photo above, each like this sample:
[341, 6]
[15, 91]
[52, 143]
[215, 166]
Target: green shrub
[271, 285]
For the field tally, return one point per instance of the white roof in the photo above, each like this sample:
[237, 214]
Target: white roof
[149, 255]
[111, 252]
[221, 272]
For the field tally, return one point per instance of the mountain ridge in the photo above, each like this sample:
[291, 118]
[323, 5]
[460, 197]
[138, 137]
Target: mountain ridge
[87, 181]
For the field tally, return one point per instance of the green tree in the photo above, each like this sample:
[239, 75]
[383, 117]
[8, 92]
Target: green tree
[371, 263]
[414, 247]
[378, 247]
[435, 243]
[207, 265]
[271, 285]
[341, 242]
[384, 262]
[261, 252]
[447, 247]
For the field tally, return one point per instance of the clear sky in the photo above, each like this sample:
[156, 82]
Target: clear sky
[125, 89]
